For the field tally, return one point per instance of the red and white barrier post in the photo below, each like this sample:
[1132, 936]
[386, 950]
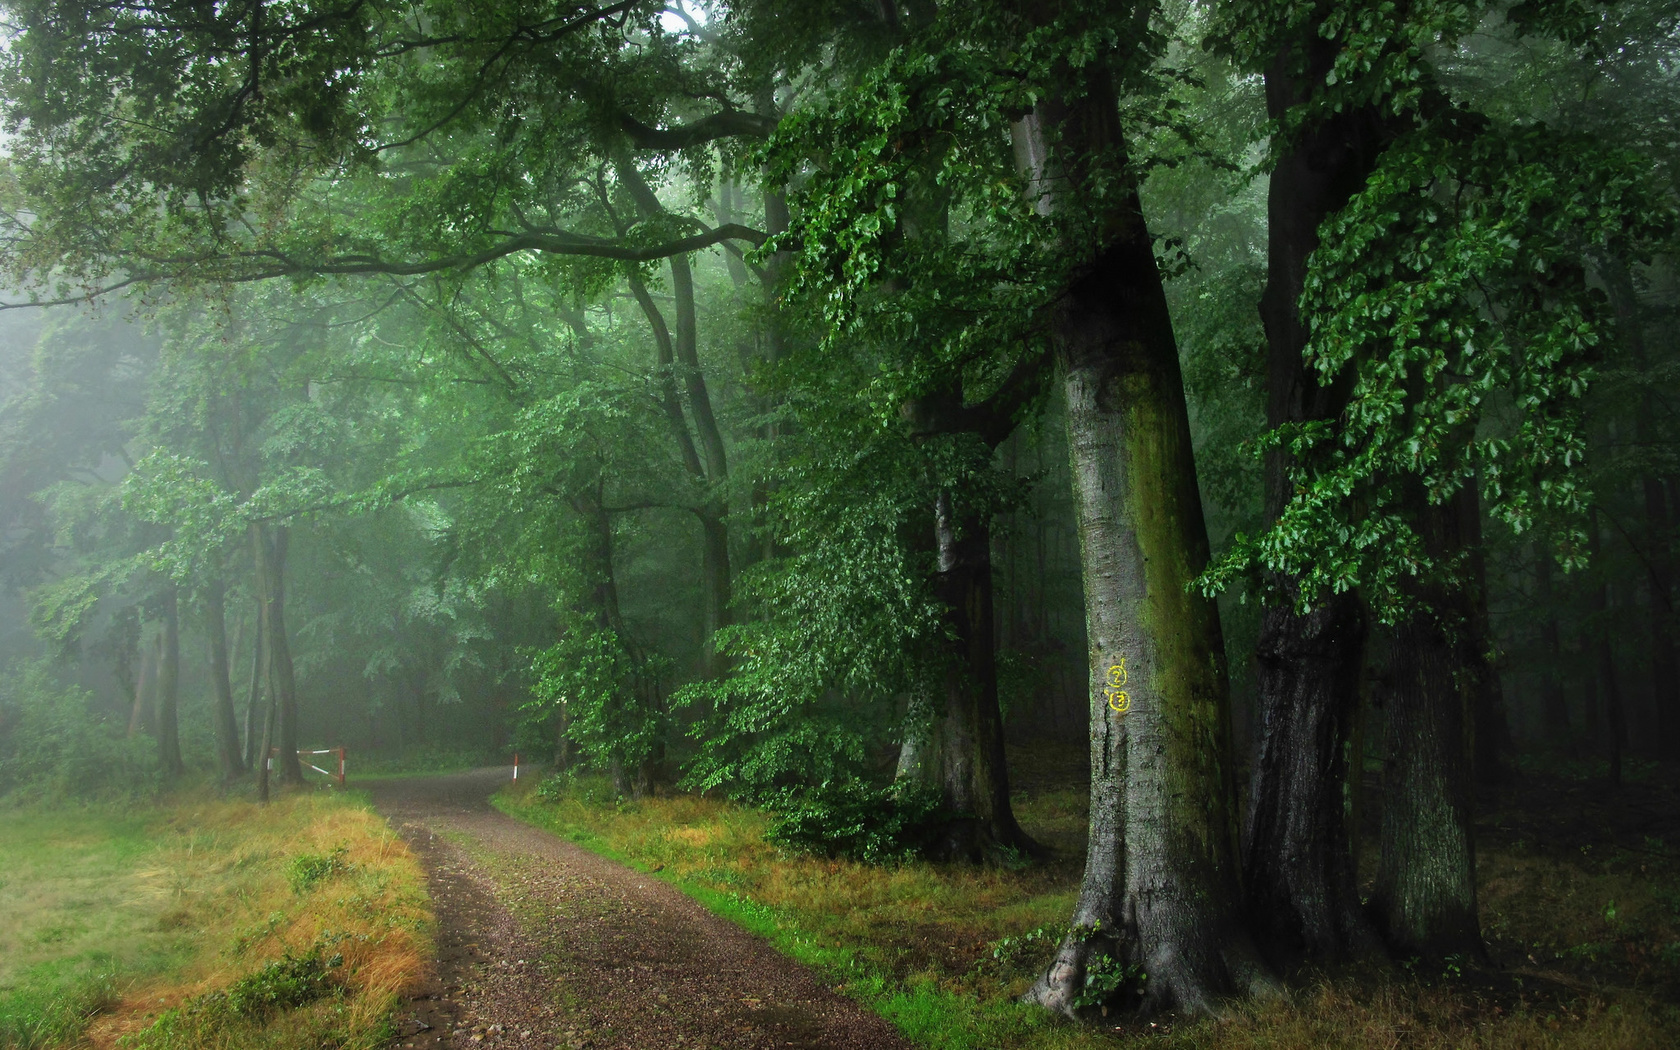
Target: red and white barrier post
[516, 765]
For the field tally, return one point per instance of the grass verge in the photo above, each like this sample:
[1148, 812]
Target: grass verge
[206, 923]
[944, 952]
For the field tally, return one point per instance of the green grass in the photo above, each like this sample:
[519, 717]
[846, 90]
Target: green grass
[924, 945]
[83, 909]
[112, 921]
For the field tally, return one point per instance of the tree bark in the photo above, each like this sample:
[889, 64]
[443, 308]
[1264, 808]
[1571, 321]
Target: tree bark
[1161, 887]
[169, 686]
[961, 758]
[1425, 894]
[1298, 867]
[269, 548]
[226, 723]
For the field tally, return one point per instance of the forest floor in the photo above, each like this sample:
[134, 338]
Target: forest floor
[1579, 883]
[543, 944]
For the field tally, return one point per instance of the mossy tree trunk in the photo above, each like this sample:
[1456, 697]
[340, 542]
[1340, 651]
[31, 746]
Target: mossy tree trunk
[1161, 886]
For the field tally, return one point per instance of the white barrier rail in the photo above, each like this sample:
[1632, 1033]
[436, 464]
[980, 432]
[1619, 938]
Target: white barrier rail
[306, 758]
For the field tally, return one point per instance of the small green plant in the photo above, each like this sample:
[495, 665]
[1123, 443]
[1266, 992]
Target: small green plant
[556, 786]
[1010, 950]
[1105, 978]
[282, 984]
[311, 868]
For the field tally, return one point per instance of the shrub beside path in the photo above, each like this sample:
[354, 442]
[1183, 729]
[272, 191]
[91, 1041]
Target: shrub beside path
[543, 945]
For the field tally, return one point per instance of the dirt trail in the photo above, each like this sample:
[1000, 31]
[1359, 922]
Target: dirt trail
[545, 945]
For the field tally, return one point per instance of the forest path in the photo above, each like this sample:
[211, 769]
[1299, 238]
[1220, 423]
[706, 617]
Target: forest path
[542, 944]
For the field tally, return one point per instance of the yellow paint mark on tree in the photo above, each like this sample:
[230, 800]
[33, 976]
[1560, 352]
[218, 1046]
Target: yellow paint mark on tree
[1118, 700]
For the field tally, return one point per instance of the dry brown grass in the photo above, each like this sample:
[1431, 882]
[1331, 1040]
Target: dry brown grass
[223, 867]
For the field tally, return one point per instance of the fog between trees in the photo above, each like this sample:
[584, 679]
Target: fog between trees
[800, 401]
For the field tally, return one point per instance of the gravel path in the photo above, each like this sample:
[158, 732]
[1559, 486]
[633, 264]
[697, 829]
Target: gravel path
[542, 944]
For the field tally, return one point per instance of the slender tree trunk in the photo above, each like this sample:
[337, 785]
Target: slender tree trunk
[137, 713]
[1297, 866]
[1425, 893]
[265, 760]
[269, 548]
[1554, 710]
[253, 694]
[714, 511]
[1615, 721]
[630, 778]
[1161, 886]
[169, 687]
[226, 722]
[1492, 746]
[1592, 719]
[962, 760]
[1665, 664]
[1658, 555]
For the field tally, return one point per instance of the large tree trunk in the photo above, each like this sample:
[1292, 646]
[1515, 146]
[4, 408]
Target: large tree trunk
[1161, 888]
[1297, 866]
[960, 756]
[222, 714]
[269, 548]
[1425, 892]
[169, 687]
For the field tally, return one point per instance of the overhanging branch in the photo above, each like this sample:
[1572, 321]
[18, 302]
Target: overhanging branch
[265, 265]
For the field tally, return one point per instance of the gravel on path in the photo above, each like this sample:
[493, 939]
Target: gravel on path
[542, 945]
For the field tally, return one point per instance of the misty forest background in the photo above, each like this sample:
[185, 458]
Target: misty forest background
[717, 397]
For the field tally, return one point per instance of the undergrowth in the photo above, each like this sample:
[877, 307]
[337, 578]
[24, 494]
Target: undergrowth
[946, 951]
